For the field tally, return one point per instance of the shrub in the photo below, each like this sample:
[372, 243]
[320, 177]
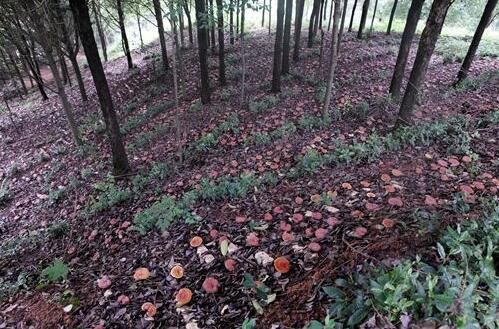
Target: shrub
[58, 270]
[265, 103]
[309, 122]
[110, 196]
[4, 192]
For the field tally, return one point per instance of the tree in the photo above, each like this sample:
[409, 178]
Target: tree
[334, 55]
[231, 22]
[311, 27]
[276, 72]
[363, 18]
[212, 26]
[221, 50]
[161, 31]
[342, 26]
[426, 46]
[352, 16]
[477, 37]
[189, 21]
[405, 46]
[287, 37]
[298, 23]
[82, 17]
[392, 14]
[202, 32]
[374, 16]
[124, 38]
[100, 31]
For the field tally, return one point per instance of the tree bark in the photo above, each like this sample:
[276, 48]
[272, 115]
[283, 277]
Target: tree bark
[202, 33]
[82, 18]
[311, 27]
[392, 14]
[374, 16]
[276, 72]
[405, 47]
[237, 16]
[426, 46]
[351, 17]
[181, 26]
[140, 30]
[263, 13]
[298, 24]
[221, 45]
[270, 17]
[363, 18]
[102, 37]
[17, 72]
[161, 31]
[334, 56]
[477, 37]
[124, 38]
[287, 37]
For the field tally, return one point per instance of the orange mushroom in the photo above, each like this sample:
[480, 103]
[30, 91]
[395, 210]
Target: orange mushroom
[141, 273]
[196, 241]
[183, 296]
[281, 264]
[149, 308]
[177, 272]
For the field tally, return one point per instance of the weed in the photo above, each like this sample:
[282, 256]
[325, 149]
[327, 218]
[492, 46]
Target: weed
[110, 196]
[309, 122]
[4, 192]
[57, 271]
[265, 103]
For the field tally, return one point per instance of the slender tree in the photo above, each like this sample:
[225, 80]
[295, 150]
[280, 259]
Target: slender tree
[263, 13]
[119, 157]
[352, 16]
[475, 42]
[161, 31]
[202, 33]
[405, 47]
[363, 19]
[99, 29]
[231, 21]
[298, 23]
[426, 46]
[212, 27]
[221, 46]
[334, 55]
[342, 26]
[374, 16]
[270, 16]
[287, 37]
[392, 14]
[276, 72]
[124, 38]
[312, 23]
[189, 21]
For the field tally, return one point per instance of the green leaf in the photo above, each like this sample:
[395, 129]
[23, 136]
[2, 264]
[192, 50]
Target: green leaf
[58, 270]
[249, 324]
[334, 292]
[314, 324]
[441, 251]
[257, 306]
[224, 247]
[248, 282]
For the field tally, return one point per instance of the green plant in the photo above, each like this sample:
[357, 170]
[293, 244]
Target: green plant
[309, 122]
[328, 324]
[58, 270]
[248, 324]
[265, 103]
[462, 290]
[109, 196]
[58, 229]
[4, 192]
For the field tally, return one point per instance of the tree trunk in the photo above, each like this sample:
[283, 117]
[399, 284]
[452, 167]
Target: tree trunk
[243, 15]
[231, 22]
[311, 27]
[237, 17]
[298, 23]
[353, 14]
[161, 31]
[392, 14]
[64, 68]
[276, 72]
[189, 21]
[270, 17]
[287, 37]
[79, 78]
[477, 37]
[243, 57]
[82, 18]
[124, 38]
[374, 16]
[334, 56]
[263, 13]
[99, 30]
[363, 19]
[181, 26]
[321, 13]
[17, 72]
[26, 71]
[330, 15]
[212, 24]
[221, 45]
[405, 47]
[426, 46]
[140, 31]
[342, 27]
[202, 33]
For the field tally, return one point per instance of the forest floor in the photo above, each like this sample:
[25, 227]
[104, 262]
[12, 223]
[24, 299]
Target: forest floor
[274, 178]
